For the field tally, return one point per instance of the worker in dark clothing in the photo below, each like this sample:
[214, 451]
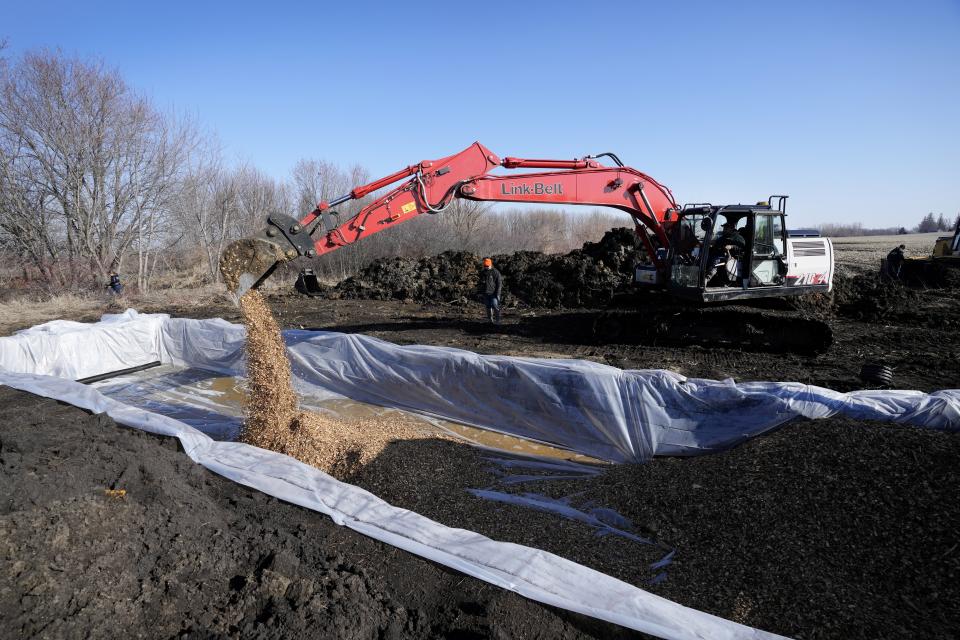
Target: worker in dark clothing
[115, 285]
[492, 284]
[895, 260]
[728, 244]
[730, 237]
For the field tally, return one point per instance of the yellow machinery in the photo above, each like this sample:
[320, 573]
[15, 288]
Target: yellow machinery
[948, 247]
[927, 270]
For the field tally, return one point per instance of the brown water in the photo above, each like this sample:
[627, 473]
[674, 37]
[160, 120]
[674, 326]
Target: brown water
[230, 390]
[337, 435]
[230, 394]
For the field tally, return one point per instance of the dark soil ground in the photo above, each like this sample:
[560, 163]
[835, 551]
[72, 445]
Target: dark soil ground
[822, 529]
[830, 529]
[187, 554]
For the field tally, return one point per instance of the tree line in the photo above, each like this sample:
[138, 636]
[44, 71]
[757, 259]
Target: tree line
[928, 224]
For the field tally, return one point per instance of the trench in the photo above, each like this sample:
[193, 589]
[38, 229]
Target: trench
[214, 404]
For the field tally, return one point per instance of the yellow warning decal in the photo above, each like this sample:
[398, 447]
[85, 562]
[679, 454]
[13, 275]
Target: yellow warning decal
[407, 208]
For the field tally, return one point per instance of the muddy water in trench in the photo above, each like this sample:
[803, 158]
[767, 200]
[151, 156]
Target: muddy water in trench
[234, 395]
[203, 397]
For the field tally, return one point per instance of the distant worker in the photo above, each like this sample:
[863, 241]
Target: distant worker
[115, 285]
[895, 261]
[492, 284]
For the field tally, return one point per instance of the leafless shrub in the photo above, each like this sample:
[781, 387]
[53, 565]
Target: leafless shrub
[85, 165]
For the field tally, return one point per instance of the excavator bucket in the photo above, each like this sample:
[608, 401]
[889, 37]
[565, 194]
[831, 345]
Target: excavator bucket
[246, 263]
[307, 283]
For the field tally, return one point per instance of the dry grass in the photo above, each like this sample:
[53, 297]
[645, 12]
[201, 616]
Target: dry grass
[22, 312]
[174, 300]
[275, 422]
[29, 309]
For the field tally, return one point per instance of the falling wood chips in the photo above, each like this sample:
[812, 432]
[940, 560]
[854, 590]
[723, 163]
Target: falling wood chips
[274, 420]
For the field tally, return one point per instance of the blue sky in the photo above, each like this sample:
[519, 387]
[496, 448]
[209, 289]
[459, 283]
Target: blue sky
[852, 108]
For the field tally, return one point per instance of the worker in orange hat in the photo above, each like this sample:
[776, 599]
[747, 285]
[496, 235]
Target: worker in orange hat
[492, 284]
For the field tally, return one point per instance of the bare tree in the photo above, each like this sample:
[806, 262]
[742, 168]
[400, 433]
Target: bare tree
[317, 180]
[206, 209]
[87, 160]
[463, 221]
[258, 196]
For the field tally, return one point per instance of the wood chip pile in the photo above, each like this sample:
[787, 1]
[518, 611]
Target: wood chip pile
[274, 420]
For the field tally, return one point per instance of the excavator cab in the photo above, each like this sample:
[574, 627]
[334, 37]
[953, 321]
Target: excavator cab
[734, 252]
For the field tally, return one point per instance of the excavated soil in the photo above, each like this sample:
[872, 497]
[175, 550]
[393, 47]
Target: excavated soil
[828, 529]
[588, 277]
[824, 529]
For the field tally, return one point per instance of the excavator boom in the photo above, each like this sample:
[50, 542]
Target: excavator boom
[701, 252]
[430, 186]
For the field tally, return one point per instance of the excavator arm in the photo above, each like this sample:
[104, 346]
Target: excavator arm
[430, 186]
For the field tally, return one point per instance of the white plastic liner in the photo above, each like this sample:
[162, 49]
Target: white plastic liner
[590, 408]
[593, 409]
[75, 350]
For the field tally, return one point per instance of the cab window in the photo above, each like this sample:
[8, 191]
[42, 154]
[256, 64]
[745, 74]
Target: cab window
[778, 234]
[768, 236]
[690, 237]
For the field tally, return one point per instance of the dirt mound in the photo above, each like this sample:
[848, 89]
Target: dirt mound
[932, 274]
[556, 281]
[619, 249]
[447, 277]
[587, 277]
[866, 297]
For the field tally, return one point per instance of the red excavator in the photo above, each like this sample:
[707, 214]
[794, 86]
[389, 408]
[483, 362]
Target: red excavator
[700, 251]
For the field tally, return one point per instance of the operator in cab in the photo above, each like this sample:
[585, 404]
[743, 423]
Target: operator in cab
[492, 285]
[725, 251]
[729, 237]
